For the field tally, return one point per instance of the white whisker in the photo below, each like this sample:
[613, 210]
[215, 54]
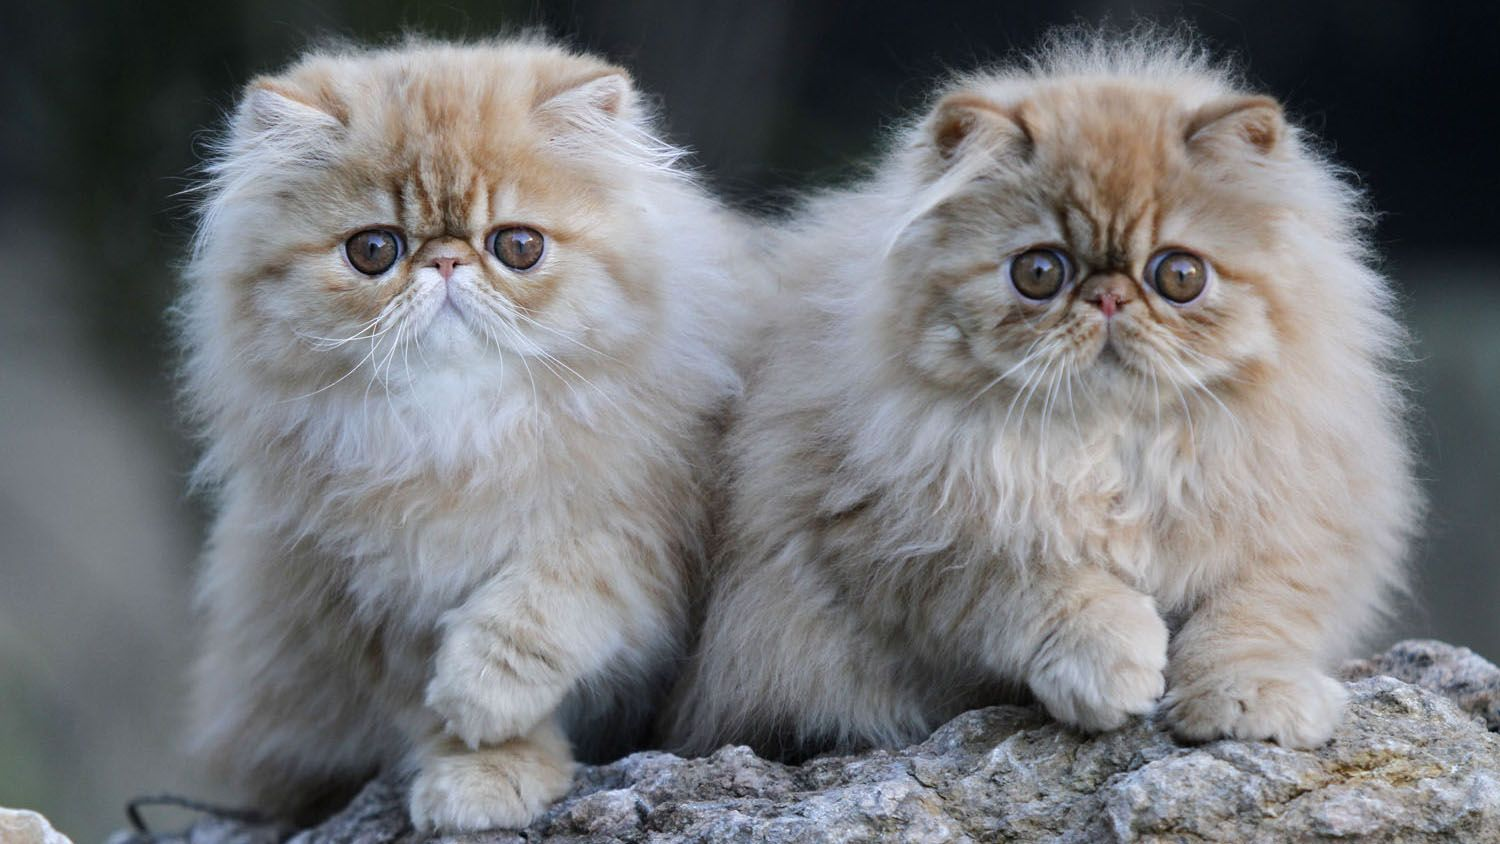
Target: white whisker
[1031, 351]
[563, 335]
[552, 362]
[1072, 408]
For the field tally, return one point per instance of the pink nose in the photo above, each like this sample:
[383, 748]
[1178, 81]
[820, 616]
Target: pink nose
[1109, 303]
[1108, 292]
[445, 266]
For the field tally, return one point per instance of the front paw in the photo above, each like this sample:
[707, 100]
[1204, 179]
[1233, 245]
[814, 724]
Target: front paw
[1102, 666]
[1292, 705]
[481, 695]
[505, 787]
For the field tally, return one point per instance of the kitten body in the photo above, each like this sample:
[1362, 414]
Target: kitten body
[460, 502]
[942, 490]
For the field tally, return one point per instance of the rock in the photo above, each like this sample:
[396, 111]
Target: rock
[1415, 760]
[1456, 673]
[19, 826]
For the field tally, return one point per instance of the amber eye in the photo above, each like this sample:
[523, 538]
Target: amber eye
[1039, 273]
[517, 247]
[1179, 276]
[373, 251]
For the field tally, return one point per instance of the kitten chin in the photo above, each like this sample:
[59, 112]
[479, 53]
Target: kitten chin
[457, 332]
[1098, 345]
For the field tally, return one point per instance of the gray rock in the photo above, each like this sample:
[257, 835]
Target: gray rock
[1415, 760]
[1456, 673]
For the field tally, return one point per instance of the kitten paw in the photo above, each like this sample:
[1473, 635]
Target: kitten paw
[505, 787]
[1294, 706]
[1105, 666]
[481, 699]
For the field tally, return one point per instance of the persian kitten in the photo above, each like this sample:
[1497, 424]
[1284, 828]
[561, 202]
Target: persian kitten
[457, 330]
[1088, 391]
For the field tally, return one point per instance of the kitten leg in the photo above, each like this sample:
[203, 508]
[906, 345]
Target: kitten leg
[1246, 666]
[288, 742]
[275, 709]
[785, 666]
[510, 655]
[1092, 649]
[503, 786]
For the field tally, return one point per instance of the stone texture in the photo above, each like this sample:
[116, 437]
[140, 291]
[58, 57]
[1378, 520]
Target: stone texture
[1456, 673]
[1415, 760]
[19, 826]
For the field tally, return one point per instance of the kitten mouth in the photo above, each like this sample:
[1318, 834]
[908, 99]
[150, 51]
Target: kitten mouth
[1109, 355]
[448, 317]
[1112, 356]
[452, 308]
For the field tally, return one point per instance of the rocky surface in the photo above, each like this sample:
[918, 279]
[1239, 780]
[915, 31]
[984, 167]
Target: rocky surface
[19, 826]
[1417, 759]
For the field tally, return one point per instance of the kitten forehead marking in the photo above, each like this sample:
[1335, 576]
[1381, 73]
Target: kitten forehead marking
[445, 138]
[1113, 151]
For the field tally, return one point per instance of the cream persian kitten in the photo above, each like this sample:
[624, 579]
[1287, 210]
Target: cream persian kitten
[1089, 391]
[457, 328]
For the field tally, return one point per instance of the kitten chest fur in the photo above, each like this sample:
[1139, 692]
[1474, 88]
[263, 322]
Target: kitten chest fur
[953, 492]
[421, 496]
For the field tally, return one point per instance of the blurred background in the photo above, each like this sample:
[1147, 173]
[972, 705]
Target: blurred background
[106, 105]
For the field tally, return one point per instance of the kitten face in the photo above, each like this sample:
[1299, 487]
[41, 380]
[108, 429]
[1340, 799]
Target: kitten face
[441, 208]
[1109, 234]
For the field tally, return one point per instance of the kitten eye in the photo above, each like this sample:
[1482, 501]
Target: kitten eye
[1179, 276]
[517, 247]
[373, 251]
[1040, 273]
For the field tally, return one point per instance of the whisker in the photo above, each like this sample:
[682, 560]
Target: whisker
[564, 335]
[1031, 391]
[1072, 406]
[1202, 388]
[1005, 425]
[385, 382]
[1156, 394]
[390, 309]
[536, 418]
[551, 361]
[1047, 407]
[1211, 362]
[336, 381]
[328, 343]
[1192, 433]
[1031, 351]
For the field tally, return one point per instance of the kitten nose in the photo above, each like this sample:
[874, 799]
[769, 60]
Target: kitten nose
[1108, 292]
[445, 265]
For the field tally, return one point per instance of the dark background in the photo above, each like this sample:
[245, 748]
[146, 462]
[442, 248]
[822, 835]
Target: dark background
[105, 106]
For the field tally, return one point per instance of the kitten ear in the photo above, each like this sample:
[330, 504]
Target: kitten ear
[1253, 123]
[608, 95]
[966, 120]
[276, 114]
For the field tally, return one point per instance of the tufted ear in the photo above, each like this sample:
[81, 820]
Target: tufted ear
[274, 117]
[606, 96]
[965, 120]
[1252, 124]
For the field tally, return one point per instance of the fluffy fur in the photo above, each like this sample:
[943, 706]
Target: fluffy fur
[942, 491]
[458, 520]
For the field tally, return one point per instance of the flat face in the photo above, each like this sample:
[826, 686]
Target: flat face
[1110, 242]
[449, 204]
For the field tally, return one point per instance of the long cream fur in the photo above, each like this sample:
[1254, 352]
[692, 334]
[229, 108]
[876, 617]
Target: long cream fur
[941, 492]
[457, 526]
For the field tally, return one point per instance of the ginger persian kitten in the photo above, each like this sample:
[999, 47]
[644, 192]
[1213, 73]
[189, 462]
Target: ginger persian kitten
[1096, 362]
[457, 329]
